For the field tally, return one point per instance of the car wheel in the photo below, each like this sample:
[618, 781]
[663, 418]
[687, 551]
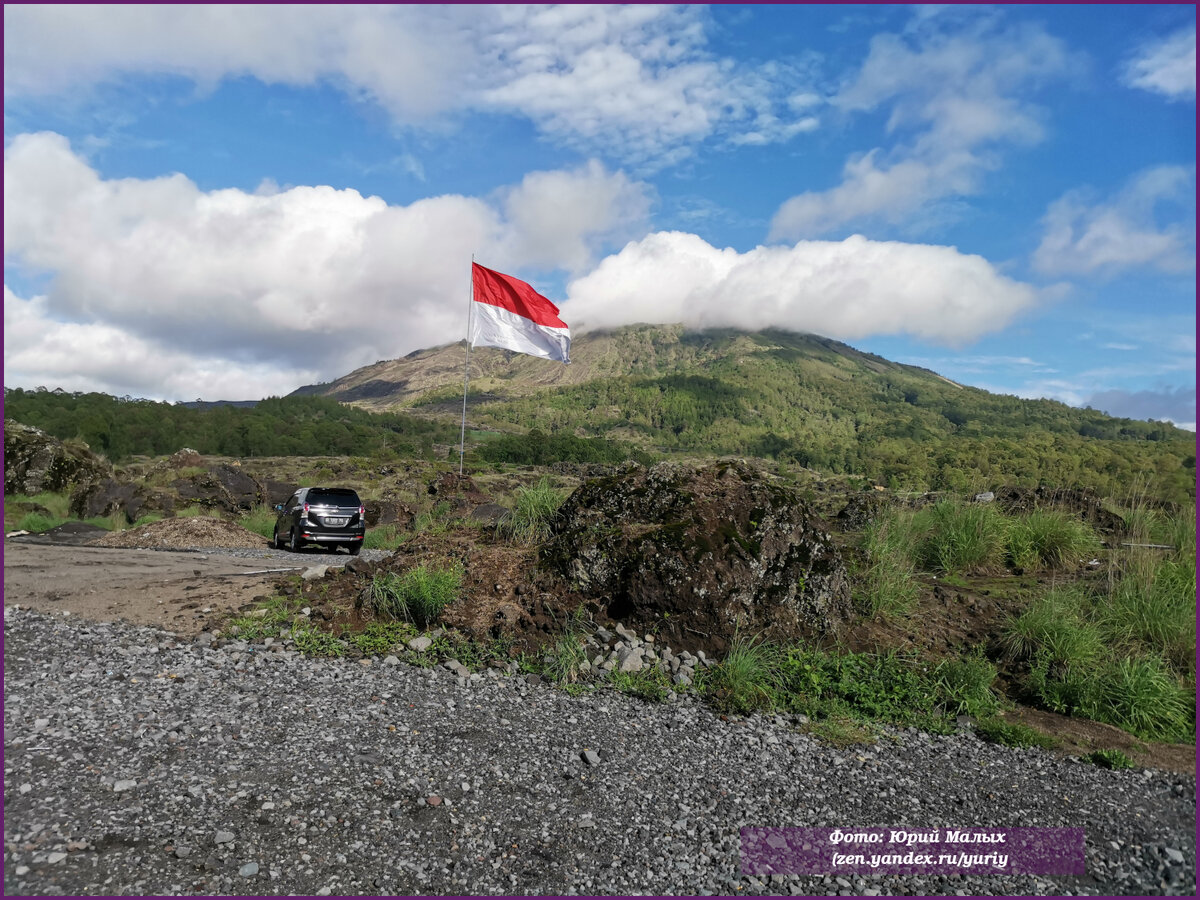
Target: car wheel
[275, 541]
[294, 542]
[353, 549]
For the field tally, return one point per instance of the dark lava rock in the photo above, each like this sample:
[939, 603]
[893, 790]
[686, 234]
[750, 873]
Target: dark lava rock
[35, 462]
[698, 555]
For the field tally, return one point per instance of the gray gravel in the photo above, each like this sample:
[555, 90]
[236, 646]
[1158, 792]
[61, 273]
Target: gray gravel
[140, 763]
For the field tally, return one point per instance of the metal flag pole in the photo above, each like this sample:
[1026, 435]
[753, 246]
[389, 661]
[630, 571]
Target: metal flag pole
[462, 438]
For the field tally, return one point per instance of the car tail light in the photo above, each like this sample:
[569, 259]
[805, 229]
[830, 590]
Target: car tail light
[306, 509]
[362, 512]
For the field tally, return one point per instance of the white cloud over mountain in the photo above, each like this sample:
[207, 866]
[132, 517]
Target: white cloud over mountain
[845, 289]
[246, 294]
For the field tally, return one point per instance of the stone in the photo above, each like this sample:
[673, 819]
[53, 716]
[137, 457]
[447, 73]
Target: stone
[249, 870]
[591, 757]
[681, 679]
[391, 661]
[314, 572]
[225, 837]
[699, 550]
[126, 784]
[420, 644]
[630, 661]
[1173, 855]
[985, 497]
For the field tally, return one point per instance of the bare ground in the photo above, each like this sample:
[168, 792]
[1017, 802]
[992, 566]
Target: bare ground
[184, 592]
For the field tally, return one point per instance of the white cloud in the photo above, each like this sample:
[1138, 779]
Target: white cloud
[1166, 66]
[848, 289]
[305, 280]
[633, 81]
[954, 101]
[561, 218]
[1085, 236]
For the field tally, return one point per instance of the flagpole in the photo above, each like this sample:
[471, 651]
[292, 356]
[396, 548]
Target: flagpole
[462, 439]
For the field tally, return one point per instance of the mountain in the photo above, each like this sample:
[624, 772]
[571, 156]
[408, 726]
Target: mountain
[797, 398]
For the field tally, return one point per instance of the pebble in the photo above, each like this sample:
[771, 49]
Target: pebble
[355, 760]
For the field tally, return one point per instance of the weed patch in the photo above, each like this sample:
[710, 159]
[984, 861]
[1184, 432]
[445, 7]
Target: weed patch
[417, 596]
[534, 508]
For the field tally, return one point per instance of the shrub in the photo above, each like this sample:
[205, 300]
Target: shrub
[1153, 609]
[418, 595]
[532, 514]
[37, 522]
[960, 537]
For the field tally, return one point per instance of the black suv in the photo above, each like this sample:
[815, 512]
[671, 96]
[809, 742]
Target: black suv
[317, 515]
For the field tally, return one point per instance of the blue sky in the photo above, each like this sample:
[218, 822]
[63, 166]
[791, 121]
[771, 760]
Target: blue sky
[1005, 195]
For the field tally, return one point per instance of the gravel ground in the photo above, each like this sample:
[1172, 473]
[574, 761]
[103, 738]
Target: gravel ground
[137, 762]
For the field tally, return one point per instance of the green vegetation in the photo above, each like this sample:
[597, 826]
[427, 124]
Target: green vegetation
[747, 679]
[278, 426]
[886, 583]
[418, 595]
[528, 522]
[1109, 759]
[995, 730]
[260, 520]
[960, 537]
[539, 449]
[1049, 539]
[384, 537]
[568, 652]
[651, 685]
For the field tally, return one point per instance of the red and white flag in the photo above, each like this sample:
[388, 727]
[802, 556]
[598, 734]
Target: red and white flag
[508, 313]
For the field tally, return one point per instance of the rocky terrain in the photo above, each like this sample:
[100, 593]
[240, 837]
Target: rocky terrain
[138, 762]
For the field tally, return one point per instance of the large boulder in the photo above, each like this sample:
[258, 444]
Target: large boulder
[35, 462]
[699, 555]
[103, 498]
[226, 488]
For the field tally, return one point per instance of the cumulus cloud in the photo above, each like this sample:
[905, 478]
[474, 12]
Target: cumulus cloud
[633, 81]
[954, 102]
[1166, 66]
[847, 289]
[308, 280]
[1084, 235]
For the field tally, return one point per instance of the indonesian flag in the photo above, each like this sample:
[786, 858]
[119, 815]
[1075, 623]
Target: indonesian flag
[512, 315]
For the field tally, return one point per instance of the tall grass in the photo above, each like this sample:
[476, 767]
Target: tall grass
[261, 520]
[957, 537]
[384, 537]
[887, 585]
[418, 595]
[1048, 538]
[533, 511]
[568, 652]
[1056, 631]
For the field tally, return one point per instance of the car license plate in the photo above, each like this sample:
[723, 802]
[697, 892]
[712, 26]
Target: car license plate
[335, 521]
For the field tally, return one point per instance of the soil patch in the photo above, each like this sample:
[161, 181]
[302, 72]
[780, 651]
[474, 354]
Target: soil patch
[185, 532]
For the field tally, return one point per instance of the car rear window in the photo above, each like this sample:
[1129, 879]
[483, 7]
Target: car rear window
[334, 497]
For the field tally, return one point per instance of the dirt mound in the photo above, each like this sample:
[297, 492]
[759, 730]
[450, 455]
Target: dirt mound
[697, 554]
[184, 533]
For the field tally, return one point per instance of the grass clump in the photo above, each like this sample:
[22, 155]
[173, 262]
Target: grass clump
[964, 686]
[1109, 759]
[533, 511]
[649, 684]
[260, 520]
[995, 730]
[960, 537]
[384, 537]
[568, 653]
[417, 596]
[747, 679]
[380, 637]
[313, 641]
[1049, 539]
[1055, 631]
[887, 585]
[37, 522]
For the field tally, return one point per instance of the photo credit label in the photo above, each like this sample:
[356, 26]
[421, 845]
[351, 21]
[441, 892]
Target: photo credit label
[908, 850]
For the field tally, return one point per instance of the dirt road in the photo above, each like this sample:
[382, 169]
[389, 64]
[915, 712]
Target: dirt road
[184, 592]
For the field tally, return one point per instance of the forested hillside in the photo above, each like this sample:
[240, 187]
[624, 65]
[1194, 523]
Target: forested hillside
[305, 426]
